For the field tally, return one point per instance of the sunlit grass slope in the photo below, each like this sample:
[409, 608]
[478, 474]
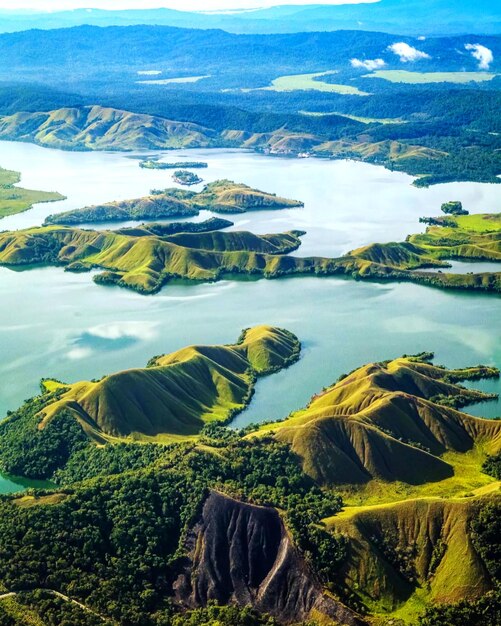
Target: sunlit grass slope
[407, 554]
[390, 422]
[103, 128]
[177, 393]
[145, 263]
[144, 260]
[15, 199]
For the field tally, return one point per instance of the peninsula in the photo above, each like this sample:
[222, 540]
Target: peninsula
[14, 199]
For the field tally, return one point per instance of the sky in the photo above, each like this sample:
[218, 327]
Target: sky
[182, 5]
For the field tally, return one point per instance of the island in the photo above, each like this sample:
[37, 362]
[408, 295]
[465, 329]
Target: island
[222, 196]
[172, 228]
[184, 177]
[155, 164]
[375, 490]
[14, 199]
[145, 261]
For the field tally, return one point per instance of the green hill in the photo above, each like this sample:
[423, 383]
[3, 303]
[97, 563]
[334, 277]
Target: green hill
[222, 196]
[101, 128]
[145, 263]
[145, 260]
[467, 237]
[390, 422]
[412, 553]
[174, 396]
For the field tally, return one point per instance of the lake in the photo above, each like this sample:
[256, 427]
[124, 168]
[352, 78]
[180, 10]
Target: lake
[58, 324]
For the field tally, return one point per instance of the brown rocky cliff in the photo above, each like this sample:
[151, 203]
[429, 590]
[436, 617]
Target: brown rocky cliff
[241, 553]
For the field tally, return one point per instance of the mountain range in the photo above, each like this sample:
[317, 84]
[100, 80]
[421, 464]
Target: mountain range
[427, 17]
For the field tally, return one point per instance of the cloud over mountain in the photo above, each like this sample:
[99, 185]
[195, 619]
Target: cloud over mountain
[368, 64]
[407, 53]
[483, 55]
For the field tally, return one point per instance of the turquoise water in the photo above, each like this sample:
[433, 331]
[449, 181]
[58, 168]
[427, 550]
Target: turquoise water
[62, 325]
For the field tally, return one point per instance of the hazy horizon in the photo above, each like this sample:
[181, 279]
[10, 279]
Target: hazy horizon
[180, 5]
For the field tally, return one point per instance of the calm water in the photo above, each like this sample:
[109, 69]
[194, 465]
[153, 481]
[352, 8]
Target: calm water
[465, 267]
[63, 325]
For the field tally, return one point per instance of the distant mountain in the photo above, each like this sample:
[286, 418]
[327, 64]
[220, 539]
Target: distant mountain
[427, 17]
[225, 61]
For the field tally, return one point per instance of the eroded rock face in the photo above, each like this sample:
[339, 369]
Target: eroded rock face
[240, 553]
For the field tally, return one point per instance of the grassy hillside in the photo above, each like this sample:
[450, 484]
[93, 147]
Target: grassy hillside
[103, 128]
[390, 422]
[240, 517]
[469, 237]
[221, 196]
[145, 260]
[431, 150]
[172, 398]
[99, 128]
[14, 199]
[146, 263]
[410, 554]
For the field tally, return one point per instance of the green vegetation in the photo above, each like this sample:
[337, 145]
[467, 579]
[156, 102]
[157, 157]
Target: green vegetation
[154, 164]
[222, 196]
[144, 259]
[486, 610]
[184, 177]
[492, 466]
[415, 78]
[466, 237]
[432, 142]
[169, 400]
[128, 536]
[250, 517]
[14, 199]
[100, 128]
[349, 434]
[453, 208]
[146, 263]
[173, 228]
[302, 82]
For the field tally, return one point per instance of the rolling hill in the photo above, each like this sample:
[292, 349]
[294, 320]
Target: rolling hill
[172, 398]
[99, 128]
[409, 553]
[389, 422]
[145, 262]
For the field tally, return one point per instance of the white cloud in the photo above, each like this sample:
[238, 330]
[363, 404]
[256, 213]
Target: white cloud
[121, 330]
[483, 55]
[368, 64]
[407, 53]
